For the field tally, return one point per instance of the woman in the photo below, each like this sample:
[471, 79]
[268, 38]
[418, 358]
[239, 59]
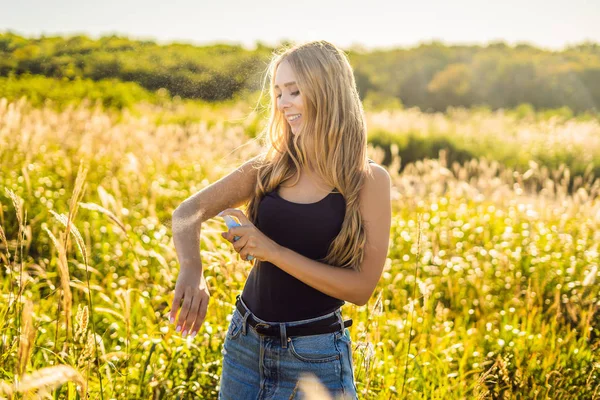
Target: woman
[318, 226]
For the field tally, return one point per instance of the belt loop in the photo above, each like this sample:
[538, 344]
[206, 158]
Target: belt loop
[245, 322]
[340, 319]
[283, 334]
[244, 317]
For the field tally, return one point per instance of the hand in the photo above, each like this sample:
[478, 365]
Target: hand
[191, 288]
[251, 240]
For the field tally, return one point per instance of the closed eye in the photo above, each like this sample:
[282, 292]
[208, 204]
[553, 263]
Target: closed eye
[296, 93]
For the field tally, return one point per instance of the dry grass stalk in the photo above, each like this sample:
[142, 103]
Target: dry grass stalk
[113, 355]
[110, 311]
[27, 338]
[107, 199]
[1, 214]
[18, 204]
[64, 219]
[109, 214]
[65, 279]
[374, 333]
[4, 241]
[50, 378]
[73, 206]
[311, 387]
[82, 337]
[503, 371]
[81, 323]
[481, 391]
[87, 352]
[377, 309]
[27, 179]
[124, 298]
[74, 202]
[70, 227]
[25, 232]
[77, 193]
[5, 389]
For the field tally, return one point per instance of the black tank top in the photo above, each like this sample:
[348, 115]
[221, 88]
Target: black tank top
[308, 229]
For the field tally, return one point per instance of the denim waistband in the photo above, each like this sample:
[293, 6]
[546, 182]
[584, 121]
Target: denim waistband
[282, 325]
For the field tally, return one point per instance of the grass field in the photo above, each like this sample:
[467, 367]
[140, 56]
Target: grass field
[490, 289]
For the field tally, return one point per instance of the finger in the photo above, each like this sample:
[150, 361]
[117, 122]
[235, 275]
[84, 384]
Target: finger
[201, 315]
[247, 249]
[176, 303]
[240, 243]
[191, 318]
[185, 308]
[239, 215]
[230, 235]
[238, 231]
[195, 326]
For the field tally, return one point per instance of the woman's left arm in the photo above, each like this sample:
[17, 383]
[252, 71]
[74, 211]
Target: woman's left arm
[347, 284]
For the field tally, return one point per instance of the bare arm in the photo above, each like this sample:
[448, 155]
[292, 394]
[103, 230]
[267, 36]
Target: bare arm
[191, 292]
[232, 190]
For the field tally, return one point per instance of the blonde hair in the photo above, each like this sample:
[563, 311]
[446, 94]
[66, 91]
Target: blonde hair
[332, 143]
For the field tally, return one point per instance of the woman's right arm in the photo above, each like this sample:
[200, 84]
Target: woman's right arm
[231, 191]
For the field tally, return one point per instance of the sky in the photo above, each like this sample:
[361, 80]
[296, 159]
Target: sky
[550, 24]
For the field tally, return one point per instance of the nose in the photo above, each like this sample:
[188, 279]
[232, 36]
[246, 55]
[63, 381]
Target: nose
[284, 102]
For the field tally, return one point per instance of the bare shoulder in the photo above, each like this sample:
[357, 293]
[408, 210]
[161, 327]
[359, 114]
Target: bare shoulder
[254, 162]
[377, 181]
[375, 200]
[379, 171]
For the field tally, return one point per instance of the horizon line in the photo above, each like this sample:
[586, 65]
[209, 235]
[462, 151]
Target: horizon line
[274, 44]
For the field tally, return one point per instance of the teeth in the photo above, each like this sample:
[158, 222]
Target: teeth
[295, 117]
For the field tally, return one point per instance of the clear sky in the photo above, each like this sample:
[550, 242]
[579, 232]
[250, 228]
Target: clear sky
[549, 24]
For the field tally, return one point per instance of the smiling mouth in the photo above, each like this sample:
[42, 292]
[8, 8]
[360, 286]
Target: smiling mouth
[293, 117]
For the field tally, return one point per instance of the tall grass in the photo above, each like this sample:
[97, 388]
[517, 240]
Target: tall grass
[499, 136]
[490, 288]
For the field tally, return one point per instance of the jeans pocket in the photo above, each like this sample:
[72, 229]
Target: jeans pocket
[235, 326]
[315, 348]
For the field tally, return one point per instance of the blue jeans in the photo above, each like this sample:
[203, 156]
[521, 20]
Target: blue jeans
[267, 367]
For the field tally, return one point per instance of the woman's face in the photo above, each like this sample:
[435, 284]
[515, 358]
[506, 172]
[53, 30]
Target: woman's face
[289, 99]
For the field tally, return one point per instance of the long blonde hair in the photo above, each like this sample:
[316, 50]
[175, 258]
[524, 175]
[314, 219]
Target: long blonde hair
[332, 143]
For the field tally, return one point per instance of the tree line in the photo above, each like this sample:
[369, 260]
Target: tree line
[431, 76]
